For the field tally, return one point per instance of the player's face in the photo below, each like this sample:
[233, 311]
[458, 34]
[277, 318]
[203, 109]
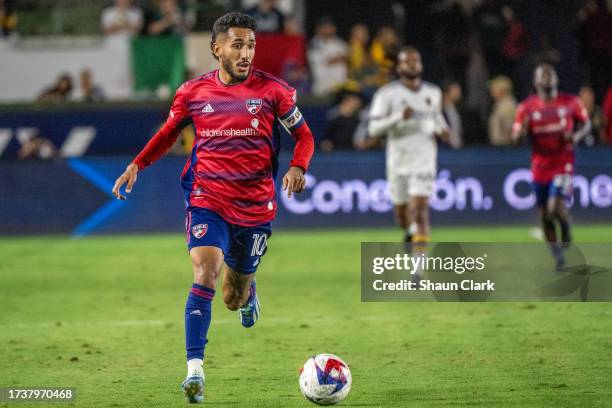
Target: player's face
[236, 50]
[545, 78]
[409, 65]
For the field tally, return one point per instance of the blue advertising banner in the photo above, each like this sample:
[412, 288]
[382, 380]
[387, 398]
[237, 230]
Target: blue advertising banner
[474, 186]
[109, 130]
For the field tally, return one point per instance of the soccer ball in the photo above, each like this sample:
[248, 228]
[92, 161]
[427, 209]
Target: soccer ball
[325, 379]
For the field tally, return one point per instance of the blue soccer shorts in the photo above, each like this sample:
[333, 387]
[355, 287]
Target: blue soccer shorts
[560, 186]
[242, 247]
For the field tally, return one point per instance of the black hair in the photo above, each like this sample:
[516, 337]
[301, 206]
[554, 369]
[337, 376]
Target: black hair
[408, 49]
[229, 20]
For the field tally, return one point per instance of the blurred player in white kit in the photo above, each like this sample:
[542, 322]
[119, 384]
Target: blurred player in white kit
[408, 111]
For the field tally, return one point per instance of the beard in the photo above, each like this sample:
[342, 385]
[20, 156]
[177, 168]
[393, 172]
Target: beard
[410, 75]
[236, 77]
[548, 89]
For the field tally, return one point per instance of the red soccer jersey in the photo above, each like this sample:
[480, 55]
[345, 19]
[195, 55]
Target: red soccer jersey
[552, 153]
[233, 163]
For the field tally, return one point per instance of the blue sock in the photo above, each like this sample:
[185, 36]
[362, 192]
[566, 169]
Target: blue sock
[197, 320]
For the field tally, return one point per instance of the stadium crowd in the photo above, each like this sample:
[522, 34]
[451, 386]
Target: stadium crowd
[481, 53]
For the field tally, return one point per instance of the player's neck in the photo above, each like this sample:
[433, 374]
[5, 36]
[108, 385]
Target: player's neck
[228, 79]
[548, 96]
[412, 83]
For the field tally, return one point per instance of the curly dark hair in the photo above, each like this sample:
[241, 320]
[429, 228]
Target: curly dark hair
[226, 21]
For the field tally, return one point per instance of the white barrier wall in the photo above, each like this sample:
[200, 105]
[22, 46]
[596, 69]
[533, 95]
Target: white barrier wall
[26, 68]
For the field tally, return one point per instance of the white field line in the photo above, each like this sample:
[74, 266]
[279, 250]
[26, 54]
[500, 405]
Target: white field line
[311, 321]
[134, 323]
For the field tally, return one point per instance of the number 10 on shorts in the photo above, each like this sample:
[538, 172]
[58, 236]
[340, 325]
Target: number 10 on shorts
[259, 244]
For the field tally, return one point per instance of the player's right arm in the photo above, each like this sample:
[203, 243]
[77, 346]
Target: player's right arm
[159, 144]
[520, 127]
[381, 117]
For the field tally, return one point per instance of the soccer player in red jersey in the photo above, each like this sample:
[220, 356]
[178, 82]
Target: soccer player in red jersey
[229, 178]
[554, 122]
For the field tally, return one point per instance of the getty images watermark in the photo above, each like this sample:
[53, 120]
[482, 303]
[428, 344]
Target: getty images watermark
[484, 272]
[417, 265]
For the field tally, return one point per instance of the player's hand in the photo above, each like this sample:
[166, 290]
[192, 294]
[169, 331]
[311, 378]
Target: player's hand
[444, 135]
[518, 134]
[294, 181]
[129, 176]
[408, 111]
[525, 126]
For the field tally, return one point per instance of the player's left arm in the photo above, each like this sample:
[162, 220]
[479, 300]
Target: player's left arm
[441, 127]
[520, 126]
[291, 118]
[159, 144]
[582, 122]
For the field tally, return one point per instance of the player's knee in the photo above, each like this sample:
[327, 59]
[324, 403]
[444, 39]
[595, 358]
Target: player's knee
[547, 217]
[205, 269]
[559, 213]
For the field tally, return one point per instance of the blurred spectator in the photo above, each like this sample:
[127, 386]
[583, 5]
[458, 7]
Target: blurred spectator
[327, 57]
[606, 111]
[492, 29]
[502, 115]
[453, 42]
[89, 91]
[269, 19]
[358, 49]
[383, 50]
[515, 45]
[294, 70]
[123, 18]
[595, 20]
[8, 17]
[37, 148]
[342, 121]
[546, 52]
[296, 75]
[361, 67]
[291, 26]
[451, 95]
[184, 142]
[587, 96]
[167, 18]
[60, 92]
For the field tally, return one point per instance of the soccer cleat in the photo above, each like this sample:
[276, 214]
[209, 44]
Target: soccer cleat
[193, 389]
[249, 313]
[557, 251]
[559, 263]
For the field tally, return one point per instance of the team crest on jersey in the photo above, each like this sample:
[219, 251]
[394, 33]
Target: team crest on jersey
[199, 230]
[254, 105]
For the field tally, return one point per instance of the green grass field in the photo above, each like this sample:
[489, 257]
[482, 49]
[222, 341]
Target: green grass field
[105, 315]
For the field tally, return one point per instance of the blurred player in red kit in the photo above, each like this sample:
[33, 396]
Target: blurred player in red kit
[553, 122]
[229, 178]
